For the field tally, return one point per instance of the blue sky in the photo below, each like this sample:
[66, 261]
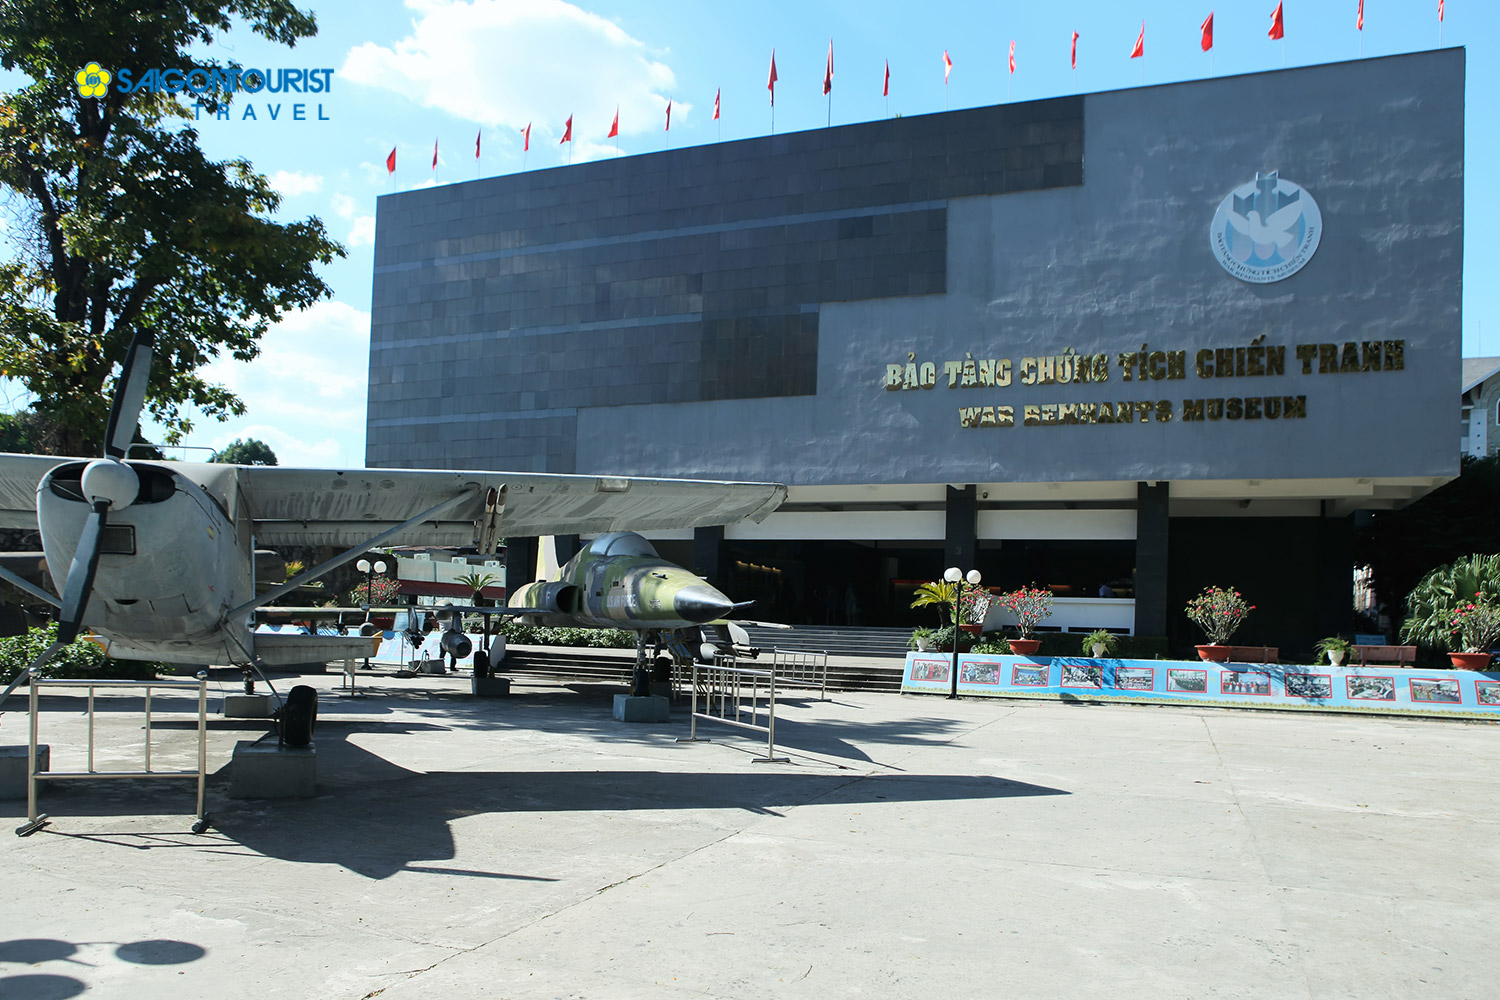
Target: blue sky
[409, 73]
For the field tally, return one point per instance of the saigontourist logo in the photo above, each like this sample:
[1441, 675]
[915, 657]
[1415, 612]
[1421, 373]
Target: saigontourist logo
[94, 81]
[1266, 229]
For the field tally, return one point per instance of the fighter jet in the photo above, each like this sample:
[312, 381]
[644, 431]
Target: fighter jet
[619, 581]
[158, 558]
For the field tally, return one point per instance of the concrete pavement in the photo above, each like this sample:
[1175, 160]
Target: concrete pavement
[534, 847]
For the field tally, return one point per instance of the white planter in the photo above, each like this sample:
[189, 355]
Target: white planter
[923, 645]
[1099, 650]
[1336, 657]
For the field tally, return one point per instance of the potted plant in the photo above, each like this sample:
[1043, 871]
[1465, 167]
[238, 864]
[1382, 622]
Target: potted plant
[937, 594]
[1030, 605]
[1100, 643]
[1218, 611]
[1475, 627]
[921, 639]
[1337, 647]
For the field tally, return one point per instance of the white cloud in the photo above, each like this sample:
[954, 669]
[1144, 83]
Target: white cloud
[291, 183]
[343, 206]
[306, 394]
[499, 62]
[363, 231]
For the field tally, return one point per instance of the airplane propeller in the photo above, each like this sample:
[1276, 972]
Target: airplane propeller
[107, 483]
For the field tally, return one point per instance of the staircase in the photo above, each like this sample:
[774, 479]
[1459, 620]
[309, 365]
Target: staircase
[836, 640]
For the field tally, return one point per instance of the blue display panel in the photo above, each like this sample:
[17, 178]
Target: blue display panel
[1280, 686]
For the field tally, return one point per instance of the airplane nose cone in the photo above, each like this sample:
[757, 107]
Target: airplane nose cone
[701, 603]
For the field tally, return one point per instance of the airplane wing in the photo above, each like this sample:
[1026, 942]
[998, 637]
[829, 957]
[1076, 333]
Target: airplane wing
[19, 476]
[346, 507]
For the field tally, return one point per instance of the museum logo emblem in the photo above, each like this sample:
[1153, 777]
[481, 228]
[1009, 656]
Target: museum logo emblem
[93, 80]
[1266, 229]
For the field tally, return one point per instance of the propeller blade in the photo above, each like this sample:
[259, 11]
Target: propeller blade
[130, 396]
[81, 575]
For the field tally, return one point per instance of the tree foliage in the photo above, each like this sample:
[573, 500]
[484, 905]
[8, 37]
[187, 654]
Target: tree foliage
[123, 223]
[250, 451]
[1431, 603]
[1457, 519]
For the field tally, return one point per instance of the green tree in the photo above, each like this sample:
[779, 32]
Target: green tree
[125, 224]
[250, 451]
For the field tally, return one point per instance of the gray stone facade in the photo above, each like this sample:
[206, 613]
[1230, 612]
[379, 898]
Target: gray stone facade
[734, 310]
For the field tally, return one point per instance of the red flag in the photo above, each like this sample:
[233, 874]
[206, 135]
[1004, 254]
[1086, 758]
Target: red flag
[434, 154]
[828, 72]
[1278, 29]
[1012, 57]
[526, 137]
[1440, 10]
[947, 67]
[390, 162]
[614, 126]
[1359, 22]
[567, 132]
[669, 116]
[886, 91]
[1075, 50]
[476, 143]
[716, 102]
[771, 80]
[1139, 48]
[1208, 31]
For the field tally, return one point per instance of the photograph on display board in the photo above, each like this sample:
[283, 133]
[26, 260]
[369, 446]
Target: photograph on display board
[1135, 678]
[1488, 692]
[1439, 689]
[930, 670]
[1371, 688]
[1188, 681]
[979, 673]
[1082, 676]
[1028, 676]
[1309, 685]
[1244, 682]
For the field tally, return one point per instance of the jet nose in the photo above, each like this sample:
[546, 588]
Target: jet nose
[701, 603]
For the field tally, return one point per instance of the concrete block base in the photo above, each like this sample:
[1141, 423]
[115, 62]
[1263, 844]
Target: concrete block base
[13, 773]
[491, 687]
[267, 770]
[653, 708]
[249, 706]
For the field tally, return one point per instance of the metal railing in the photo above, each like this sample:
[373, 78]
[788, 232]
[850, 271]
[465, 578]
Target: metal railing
[35, 821]
[811, 668]
[732, 695]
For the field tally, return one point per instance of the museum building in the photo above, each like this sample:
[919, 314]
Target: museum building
[1122, 345]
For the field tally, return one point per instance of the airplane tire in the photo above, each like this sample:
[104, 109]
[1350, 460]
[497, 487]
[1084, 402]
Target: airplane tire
[298, 717]
[481, 663]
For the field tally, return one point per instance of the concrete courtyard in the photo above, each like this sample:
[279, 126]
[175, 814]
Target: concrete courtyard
[533, 847]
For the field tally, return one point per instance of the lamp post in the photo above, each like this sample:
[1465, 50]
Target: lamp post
[369, 569]
[956, 576]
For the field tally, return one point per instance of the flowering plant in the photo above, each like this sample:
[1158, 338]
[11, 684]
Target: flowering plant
[1477, 624]
[1030, 605]
[1218, 611]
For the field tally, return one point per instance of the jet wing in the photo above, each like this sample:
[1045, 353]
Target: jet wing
[347, 507]
[19, 476]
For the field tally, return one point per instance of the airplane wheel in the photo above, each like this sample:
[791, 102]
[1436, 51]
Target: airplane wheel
[481, 663]
[298, 717]
[201, 825]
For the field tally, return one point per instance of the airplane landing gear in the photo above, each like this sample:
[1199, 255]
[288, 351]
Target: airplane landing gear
[641, 682]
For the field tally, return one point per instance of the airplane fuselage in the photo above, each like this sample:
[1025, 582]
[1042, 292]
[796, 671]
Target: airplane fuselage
[618, 581]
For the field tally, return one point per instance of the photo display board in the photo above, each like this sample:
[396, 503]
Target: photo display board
[1281, 686]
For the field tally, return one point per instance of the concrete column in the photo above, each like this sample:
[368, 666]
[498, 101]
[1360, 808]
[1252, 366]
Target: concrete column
[708, 552]
[961, 528]
[1151, 558]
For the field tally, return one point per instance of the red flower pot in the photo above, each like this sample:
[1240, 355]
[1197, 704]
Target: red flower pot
[1470, 661]
[1213, 653]
[1025, 647]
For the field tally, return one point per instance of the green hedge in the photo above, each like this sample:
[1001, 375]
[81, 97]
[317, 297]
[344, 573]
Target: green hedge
[1130, 647]
[546, 635]
[79, 659]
